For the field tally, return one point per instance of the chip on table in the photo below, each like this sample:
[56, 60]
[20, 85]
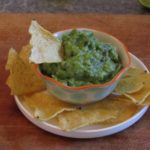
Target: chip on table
[22, 78]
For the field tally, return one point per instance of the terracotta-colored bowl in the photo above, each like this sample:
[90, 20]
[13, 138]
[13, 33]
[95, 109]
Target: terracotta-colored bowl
[93, 92]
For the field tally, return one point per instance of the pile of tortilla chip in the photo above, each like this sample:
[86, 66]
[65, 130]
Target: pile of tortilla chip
[133, 91]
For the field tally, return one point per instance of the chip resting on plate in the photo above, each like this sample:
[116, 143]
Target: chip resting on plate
[45, 106]
[127, 110]
[132, 71]
[146, 102]
[45, 47]
[90, 114]
[135, 86]
[129, 85]
[140, 97]
[22, 78]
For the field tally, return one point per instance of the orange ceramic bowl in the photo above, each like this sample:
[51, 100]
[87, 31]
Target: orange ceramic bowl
[93, 92]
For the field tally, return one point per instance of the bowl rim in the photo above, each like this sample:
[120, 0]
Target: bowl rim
[117, 76]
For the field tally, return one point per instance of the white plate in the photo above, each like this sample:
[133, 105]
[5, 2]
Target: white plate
[91, 131]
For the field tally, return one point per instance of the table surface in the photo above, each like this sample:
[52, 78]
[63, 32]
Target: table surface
[16, 132]
[77, 6]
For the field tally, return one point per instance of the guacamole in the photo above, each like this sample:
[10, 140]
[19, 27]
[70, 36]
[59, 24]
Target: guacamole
[86, 60]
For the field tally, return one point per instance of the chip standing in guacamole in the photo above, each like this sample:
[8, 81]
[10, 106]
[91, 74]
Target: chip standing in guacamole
[86, 60]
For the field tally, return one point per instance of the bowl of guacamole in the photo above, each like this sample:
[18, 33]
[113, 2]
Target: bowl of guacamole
[93, 62]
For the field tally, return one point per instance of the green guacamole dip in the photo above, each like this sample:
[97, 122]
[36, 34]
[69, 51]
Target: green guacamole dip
[86, 60]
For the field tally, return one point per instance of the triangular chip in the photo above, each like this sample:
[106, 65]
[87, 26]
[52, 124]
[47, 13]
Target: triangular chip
[129, 85]
[140, 97]
[45, 47]
[45, 106]
[127, 110]
[90, 114]
[135, 85]
[11, 56]
[132, 71]
[22, 79]
[25, 53]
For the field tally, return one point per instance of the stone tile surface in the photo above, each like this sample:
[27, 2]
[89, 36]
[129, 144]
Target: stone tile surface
[74, 6]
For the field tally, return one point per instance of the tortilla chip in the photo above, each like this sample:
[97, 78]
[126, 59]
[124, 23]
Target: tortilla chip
[45, 47]
[90, 114]
[126, 113]
[11, 56]
[45, 106]
[25, 53]
[135, 85]
[22, 79]
[9, 81]
[127, 110]
[132, 71]
[146, 102]
[129, 85]
[140, 97]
